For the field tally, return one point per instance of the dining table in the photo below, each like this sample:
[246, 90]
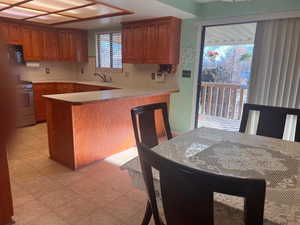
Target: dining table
[239, 155]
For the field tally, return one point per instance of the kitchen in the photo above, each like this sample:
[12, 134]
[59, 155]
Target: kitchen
[76, 93]
[108, 90]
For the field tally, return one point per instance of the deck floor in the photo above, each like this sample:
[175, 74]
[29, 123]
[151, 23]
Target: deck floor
[218, 123]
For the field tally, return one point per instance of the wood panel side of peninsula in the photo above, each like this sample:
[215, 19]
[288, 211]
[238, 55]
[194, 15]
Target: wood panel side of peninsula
[80, 134]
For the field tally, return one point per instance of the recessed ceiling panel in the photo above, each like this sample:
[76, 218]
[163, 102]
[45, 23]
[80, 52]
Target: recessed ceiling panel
[51, 19]
[90, 11]
[2, 6]
[19, 13]
[11, 2]
[55, 5]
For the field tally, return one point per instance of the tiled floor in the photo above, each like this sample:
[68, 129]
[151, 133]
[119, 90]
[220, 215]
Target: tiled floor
[46, 193]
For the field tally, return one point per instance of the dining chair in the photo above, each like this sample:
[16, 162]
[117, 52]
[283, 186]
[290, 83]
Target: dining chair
[143, 120]
[187, 193]
[272, 120]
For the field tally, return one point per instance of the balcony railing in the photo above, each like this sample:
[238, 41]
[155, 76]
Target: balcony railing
[223, 100]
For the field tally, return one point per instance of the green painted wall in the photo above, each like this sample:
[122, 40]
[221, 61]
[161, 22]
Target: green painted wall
[92, 41]
[224, 9]
[181, 104]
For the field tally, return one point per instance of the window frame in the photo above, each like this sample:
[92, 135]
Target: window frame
[109, 69]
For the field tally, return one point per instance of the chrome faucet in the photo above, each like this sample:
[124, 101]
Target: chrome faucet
[104, 77]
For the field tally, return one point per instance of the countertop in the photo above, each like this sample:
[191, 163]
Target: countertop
[94, 96]
[105, 95]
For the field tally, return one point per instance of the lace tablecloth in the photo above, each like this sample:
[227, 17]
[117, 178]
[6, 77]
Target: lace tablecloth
[233, 153]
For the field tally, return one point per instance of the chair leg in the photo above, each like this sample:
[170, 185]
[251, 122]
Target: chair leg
[148, 214]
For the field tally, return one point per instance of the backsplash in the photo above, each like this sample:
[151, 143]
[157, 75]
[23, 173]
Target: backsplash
[58, 71]
[133, 75]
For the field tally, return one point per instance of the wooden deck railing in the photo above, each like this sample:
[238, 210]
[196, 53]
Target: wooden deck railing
[223, 100]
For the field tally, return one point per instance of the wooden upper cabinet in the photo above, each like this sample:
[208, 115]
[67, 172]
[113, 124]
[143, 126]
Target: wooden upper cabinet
[11, 33]
[81, 46]
[154, 41]
[14, 34]
[50, 45]
[64, 38]
[73, 46]
[33, 45]
[42, 43]
[4, 31]
[133, 36]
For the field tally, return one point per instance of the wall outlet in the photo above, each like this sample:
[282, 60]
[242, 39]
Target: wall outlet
[153, 75]
[160, 77]
[47, 70]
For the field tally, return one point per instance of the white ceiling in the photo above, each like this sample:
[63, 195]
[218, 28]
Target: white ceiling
[230, 34]
[143, 9]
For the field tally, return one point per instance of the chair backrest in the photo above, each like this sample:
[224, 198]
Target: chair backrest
[271, 121]
[143, 120]
[187, 193]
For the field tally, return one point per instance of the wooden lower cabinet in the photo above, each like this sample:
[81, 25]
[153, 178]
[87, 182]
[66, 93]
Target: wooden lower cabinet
[41, 89]
[40, 105]
[6, 206]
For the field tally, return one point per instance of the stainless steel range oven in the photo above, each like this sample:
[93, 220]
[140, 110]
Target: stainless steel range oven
[25, 112]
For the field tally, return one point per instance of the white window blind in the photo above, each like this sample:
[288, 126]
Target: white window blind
[109, 50]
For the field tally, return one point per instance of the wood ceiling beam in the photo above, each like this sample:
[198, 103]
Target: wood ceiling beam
[14, 5]
[96, 17]
[59, 12]
[107, 4]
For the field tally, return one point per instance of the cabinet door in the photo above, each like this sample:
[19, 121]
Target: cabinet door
[133, 44]
[151, 45]
[4, 31]
[127, 40]
[64, 88]
[163, 50]
[14, 34]
[32, 44]
[39, 101]
[86, 88]
[65, 45]
[138, 44]
[80, 42]
[51, 52]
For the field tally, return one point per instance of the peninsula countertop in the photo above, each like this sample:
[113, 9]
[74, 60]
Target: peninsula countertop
[104, 95]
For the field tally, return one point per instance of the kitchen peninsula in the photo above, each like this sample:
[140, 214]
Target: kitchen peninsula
[89, 126]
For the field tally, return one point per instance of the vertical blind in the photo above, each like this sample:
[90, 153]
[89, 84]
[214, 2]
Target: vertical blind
[109, 50]
[275, 77]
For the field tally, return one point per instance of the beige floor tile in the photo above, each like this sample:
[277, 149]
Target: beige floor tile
[124, 208]
[137, 195]
[58, 198]
[30, 211]
[48, 219]
[76, 210]
[20, 196]
[100, 217]
[138, 218]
